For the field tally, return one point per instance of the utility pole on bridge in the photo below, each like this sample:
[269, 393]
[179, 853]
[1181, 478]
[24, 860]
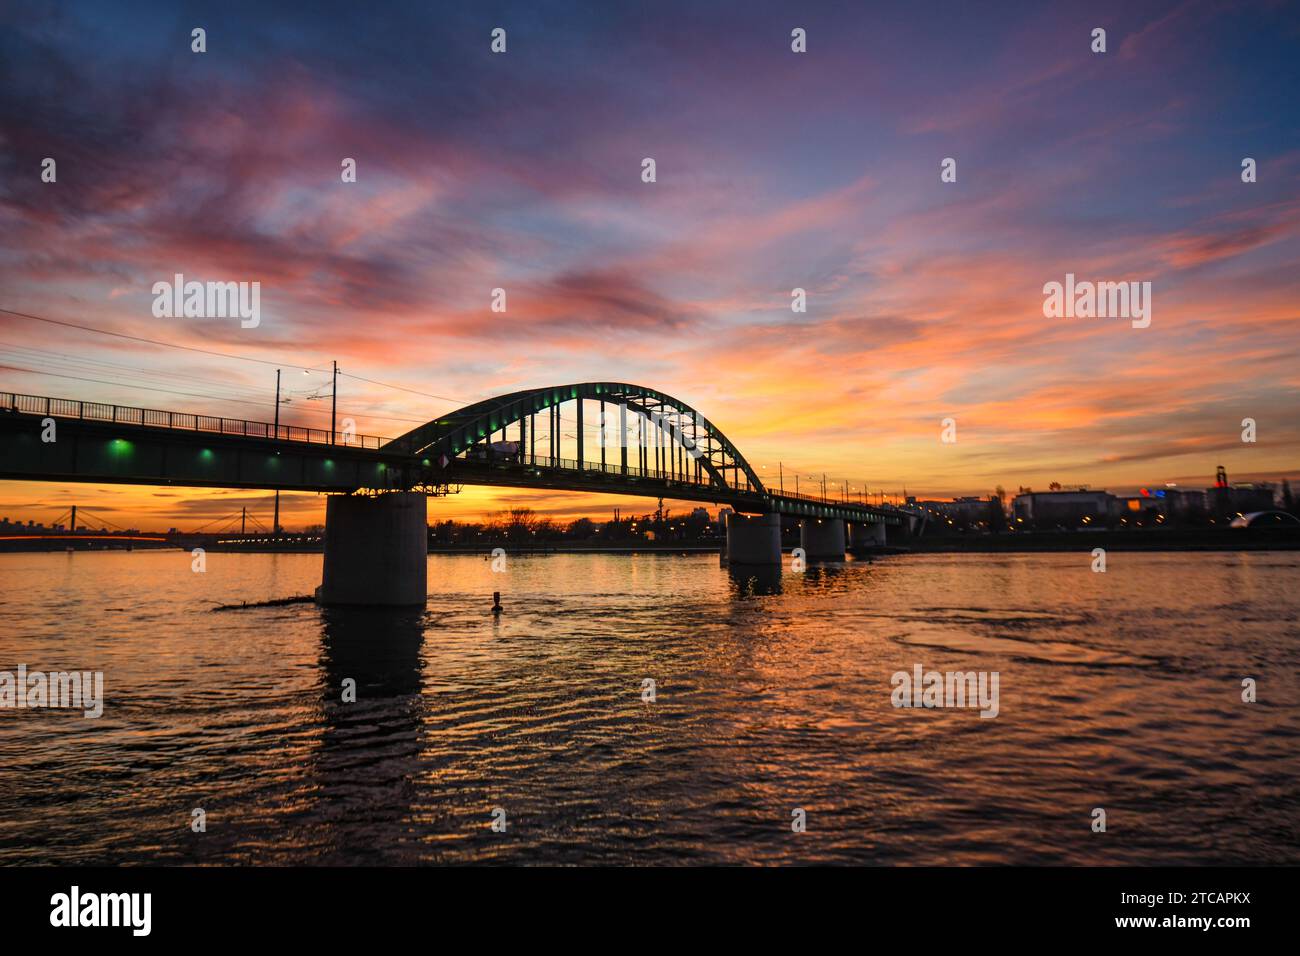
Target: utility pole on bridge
[334, 404]
[275, 523]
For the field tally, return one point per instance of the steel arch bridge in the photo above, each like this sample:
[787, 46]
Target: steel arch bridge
[656, 417]
[650, 444]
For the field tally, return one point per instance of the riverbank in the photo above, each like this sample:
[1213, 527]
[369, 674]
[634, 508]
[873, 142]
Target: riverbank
[585, 547]
[1145, 539]
[1152, 539]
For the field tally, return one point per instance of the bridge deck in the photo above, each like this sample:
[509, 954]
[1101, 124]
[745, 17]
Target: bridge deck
[115, 444]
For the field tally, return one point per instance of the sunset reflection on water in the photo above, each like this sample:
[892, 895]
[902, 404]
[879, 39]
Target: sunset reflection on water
[1119, 690]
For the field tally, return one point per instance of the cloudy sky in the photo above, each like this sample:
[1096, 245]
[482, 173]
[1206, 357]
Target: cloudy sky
[775, 170]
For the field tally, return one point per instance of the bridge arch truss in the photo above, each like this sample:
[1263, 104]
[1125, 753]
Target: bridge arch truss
[639, 431]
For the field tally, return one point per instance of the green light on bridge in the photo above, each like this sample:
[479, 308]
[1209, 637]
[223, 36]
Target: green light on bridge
[119, 448]
[206, 455]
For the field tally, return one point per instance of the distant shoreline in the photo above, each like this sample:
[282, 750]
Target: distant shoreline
[1154, 539]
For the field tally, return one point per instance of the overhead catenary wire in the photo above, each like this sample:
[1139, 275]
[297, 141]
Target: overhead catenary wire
[226, 355]
[172, 391]
[403, 388]
[149, 341]
[148, 388]
[156, 376]
[321, 366]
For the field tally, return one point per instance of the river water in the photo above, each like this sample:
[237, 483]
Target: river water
[1120, 691]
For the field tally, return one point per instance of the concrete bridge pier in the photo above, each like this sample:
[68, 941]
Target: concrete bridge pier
[870, 535]
[753, 540]
[376, 550]
[822, 539]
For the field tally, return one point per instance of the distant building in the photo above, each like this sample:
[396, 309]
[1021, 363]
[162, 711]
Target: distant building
[961, 514]
[1246, 497]
[1063, 509]
[972, 507]
[1183, 502]
[1139, 510]
[1243, 497]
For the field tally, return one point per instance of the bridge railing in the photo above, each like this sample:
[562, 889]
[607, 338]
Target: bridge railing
[156, 418]
[703, 481]
[572, 464]
[825, 499]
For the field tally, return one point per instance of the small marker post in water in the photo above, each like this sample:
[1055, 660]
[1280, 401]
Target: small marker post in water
[496, 604]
